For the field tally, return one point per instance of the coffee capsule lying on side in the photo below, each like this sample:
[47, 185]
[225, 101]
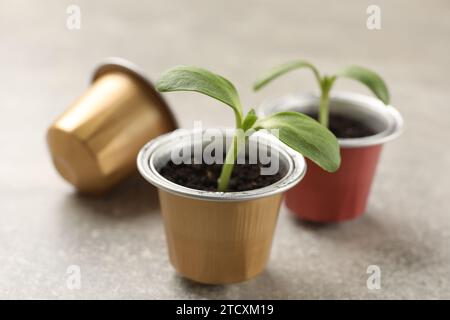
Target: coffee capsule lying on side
[94, 143]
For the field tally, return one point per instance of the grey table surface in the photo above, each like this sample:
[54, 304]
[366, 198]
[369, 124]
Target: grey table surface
[118, 240]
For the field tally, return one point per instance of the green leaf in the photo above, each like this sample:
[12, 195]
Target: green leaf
[249, 120]
[306, 136]
[369, 78]
[285, 68]
[187, 78]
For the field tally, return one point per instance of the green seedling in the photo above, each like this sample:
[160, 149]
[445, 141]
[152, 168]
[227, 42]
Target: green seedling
[365, 76]
[298, 131]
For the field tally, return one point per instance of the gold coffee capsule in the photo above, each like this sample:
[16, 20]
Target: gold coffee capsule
[95, 142]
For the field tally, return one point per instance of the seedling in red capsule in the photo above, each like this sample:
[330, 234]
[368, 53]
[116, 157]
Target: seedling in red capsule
[365, 76]
[296, 130]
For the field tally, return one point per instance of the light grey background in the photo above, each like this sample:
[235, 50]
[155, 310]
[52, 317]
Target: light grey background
[118, 240]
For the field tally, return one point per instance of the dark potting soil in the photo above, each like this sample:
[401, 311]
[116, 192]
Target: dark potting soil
[204, 176]
[345, 127]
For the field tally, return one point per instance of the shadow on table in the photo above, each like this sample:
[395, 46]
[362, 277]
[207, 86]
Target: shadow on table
[133, 197]
[374, 236]
[264, 286]
[369, 222]
[199, 289]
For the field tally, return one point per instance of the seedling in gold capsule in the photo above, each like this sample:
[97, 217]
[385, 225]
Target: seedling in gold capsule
[298, 131]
